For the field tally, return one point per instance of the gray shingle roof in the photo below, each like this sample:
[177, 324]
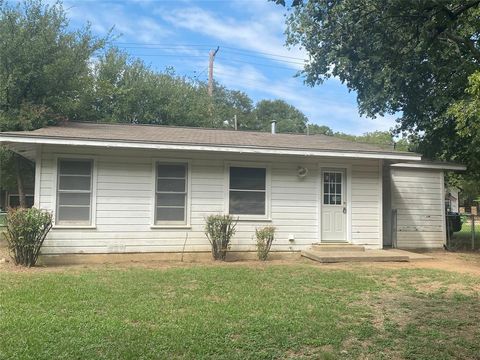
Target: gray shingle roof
[200, 136]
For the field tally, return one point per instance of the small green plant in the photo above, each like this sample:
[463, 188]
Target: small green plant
[219, 230]
[265, 237]
[26, 231]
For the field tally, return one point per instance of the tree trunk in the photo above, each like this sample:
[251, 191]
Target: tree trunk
[21, 192]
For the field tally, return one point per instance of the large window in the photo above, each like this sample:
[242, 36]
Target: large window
[171, 193]
[74, 192]
[247, 191]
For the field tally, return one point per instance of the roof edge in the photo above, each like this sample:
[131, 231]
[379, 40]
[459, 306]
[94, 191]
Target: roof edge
[432, 165]
[49, 140]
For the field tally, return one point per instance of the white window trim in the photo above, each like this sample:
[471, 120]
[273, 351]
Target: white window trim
[93, 208]
[173, 225]
[268, 190]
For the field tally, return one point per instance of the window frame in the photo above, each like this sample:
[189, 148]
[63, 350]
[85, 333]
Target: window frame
[249, 217]
[93, 195]
[171, 224]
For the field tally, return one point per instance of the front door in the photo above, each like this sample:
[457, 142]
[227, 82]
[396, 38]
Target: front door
[334, 206]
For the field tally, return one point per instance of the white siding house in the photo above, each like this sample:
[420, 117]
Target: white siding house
[134, 189]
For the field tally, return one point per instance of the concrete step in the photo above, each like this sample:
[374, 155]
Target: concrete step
[337, 247]
[354, 256]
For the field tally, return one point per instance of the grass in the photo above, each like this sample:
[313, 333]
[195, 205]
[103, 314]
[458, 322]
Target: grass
[238, 312]
[463, 238]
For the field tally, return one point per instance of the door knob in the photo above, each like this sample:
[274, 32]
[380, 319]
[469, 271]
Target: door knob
[344, 210]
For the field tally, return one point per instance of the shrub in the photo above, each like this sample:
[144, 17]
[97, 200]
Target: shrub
[265, 237]
[220, 230]
[26, 231]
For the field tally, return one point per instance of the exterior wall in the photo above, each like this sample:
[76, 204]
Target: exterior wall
[418, 196]
[125, 201]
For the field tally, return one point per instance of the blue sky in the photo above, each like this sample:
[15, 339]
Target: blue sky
[252, 55]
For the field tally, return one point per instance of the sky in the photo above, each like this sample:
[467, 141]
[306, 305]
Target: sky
[252, 55]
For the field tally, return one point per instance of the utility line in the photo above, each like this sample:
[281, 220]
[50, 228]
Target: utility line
[227, 60]
[152, 45]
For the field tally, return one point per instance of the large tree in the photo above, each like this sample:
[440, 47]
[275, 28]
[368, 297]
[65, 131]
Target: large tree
[43, 71]
[401, 56]
[288, 118]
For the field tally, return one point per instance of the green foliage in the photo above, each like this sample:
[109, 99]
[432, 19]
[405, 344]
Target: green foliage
[219, 230]
[412, 57]
[25, 233]
[466, 113]
[265, 237]
[43, 67]
[314, 129]
[289, 119]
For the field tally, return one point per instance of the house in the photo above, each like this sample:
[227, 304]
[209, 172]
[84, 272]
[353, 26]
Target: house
[141, 189]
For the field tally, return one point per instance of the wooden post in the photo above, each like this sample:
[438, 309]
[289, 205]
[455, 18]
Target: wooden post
[473, 232]
[211, 58]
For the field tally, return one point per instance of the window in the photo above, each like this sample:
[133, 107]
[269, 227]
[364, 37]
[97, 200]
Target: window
[332, 188]
[14, 200]
[247, 191]
[171, 193]
[74, 192]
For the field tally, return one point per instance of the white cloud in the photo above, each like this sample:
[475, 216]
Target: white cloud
[262, 34]
[253, 26]
[321, 107]
[108, 15]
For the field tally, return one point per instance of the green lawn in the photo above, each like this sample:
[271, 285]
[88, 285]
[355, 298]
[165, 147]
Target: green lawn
[238, 312]
[462, 239]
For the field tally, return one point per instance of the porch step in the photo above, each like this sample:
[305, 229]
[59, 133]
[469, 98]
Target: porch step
[353, 256]
[337, 247]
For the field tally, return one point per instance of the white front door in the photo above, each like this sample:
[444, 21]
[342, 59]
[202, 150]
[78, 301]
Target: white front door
[334, 205]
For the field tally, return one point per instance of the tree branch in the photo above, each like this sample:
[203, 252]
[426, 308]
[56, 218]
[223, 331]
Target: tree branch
[466, 43]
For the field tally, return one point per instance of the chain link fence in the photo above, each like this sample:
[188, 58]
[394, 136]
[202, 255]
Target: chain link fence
[463, 231]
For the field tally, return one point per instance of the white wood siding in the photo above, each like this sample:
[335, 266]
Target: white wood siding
[418, 196]
[124, 202]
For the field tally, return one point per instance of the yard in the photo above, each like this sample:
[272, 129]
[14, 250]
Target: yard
[462, 239]
[240, 310]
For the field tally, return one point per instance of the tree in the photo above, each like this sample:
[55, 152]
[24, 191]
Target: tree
[231, 103]
[319, 129]
[409, 57]
[288, 118]
[466, 112]
[43, 70]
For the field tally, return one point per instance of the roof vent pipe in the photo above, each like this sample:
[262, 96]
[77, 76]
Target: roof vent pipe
[274, 125]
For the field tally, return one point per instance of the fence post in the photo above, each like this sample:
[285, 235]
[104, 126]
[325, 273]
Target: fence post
[473, 231]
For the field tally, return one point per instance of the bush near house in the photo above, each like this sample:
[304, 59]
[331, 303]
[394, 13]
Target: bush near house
[265, 237]
[25, 233]
[219, 230]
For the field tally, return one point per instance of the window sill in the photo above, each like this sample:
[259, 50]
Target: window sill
[85, 227]
[170, 226]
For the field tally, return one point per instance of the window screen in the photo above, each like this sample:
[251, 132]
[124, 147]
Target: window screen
[332, 188]
[171, 193]
[74, 191]
[247, 191]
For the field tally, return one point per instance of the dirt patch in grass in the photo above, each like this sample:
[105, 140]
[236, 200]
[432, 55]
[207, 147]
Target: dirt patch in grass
[405, 322]
[311, 352]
